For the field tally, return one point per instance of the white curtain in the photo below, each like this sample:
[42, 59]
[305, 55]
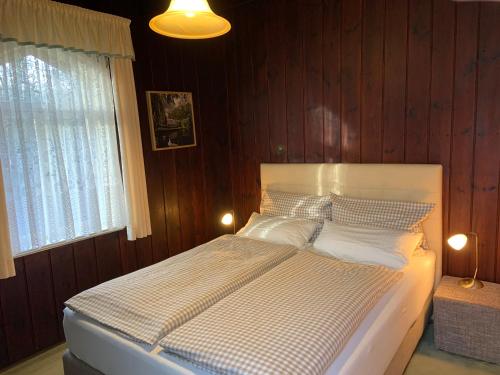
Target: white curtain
[6, 262]
[58, 145]
[49, 23]
[134, 177]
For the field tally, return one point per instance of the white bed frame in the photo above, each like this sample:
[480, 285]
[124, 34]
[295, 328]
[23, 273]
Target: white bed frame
[421, 183]
[407, 182]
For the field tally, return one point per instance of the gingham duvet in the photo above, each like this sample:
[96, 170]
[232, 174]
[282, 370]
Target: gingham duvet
[148, 304]
[295, 319]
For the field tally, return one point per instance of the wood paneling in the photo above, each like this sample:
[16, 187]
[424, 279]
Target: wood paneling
[17, 324]
[41, 299]
[107, 252]
[418, 81]
[442, 83]
[331, 80]
[372, 81]
[393, 81]
[486, 151]
[463, 130]
[85, 264]
[275, 81]
[64, 278]
[350, 85]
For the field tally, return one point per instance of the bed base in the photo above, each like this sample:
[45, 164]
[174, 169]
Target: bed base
[75, 366]
[407, 348]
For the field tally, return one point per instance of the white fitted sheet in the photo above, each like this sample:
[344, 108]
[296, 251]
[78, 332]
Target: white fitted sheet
[369, 350]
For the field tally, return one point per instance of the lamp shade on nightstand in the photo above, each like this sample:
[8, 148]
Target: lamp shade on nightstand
[458, 242]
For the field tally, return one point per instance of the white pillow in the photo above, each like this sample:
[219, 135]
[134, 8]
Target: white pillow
[387, 247]
[278, 229]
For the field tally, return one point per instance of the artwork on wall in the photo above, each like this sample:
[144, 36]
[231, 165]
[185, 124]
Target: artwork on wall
[171, 119]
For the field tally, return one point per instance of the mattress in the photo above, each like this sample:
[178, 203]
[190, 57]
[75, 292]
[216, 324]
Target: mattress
[389, 320]
[151, 302]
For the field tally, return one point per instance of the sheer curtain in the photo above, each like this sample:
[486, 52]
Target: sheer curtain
[58, 145]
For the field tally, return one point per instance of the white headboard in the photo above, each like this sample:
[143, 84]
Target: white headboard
[410, 182]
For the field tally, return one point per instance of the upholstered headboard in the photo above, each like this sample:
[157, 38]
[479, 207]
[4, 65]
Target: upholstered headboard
[410, 182]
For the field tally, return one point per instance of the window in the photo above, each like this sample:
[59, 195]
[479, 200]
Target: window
[58, 146]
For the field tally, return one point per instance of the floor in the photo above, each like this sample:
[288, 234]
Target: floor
[426, 360]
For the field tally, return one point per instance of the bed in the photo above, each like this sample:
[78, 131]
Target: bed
[399, 315]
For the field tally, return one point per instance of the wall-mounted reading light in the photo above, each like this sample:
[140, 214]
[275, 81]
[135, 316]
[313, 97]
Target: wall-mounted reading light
[228, 219]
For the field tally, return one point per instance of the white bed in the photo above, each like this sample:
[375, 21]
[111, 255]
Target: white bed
[111, 353]
[391, 318]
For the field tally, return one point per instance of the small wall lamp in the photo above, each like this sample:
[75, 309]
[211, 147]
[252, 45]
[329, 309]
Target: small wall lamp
[228, 219]
[458, 242]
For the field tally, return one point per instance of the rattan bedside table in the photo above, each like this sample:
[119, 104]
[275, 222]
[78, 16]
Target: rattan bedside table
[467, 321]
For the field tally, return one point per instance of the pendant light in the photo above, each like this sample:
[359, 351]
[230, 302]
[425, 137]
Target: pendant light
[189, 19]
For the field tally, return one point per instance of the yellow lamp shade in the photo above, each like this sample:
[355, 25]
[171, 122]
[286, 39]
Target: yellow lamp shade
[227, 219]
[189, 19]
[458, 241]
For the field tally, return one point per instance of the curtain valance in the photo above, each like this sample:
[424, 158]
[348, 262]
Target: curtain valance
[52, 24]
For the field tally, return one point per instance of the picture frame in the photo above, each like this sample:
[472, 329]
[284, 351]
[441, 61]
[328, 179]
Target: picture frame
[171, 120]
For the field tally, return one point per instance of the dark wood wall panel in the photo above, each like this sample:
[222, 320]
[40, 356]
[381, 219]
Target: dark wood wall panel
[128, 253]
[107, 251]
[418, 81]
[486, 151]
[294, 85]
[41, 299]
[275, 81]
[85, 264]
[441, 99]
[395, 58]
[393, 81]
[313, 81]
[64, 278]
[4, 354]
[351, 42]
[372, 81]
[17, 324]
[331, 80]
[463, 130]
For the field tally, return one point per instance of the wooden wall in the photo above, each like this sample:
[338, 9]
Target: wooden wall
[373, 81]
[188, 190]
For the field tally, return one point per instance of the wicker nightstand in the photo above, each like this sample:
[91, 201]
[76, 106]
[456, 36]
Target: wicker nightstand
[467, 321]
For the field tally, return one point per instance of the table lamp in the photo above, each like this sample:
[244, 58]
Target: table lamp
[458, 242]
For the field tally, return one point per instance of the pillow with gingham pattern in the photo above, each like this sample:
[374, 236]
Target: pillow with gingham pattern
[305, 206]
[373, 213]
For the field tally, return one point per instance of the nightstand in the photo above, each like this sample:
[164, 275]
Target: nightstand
[467, 321]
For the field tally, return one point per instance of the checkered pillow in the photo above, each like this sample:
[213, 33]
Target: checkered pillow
[312, 207]
[399, 215]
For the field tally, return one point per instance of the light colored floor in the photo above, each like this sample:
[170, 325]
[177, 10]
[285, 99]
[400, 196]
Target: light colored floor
[46, 363]
[427, 360]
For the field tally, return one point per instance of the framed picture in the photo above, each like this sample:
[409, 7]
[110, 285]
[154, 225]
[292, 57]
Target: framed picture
[171, 119]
